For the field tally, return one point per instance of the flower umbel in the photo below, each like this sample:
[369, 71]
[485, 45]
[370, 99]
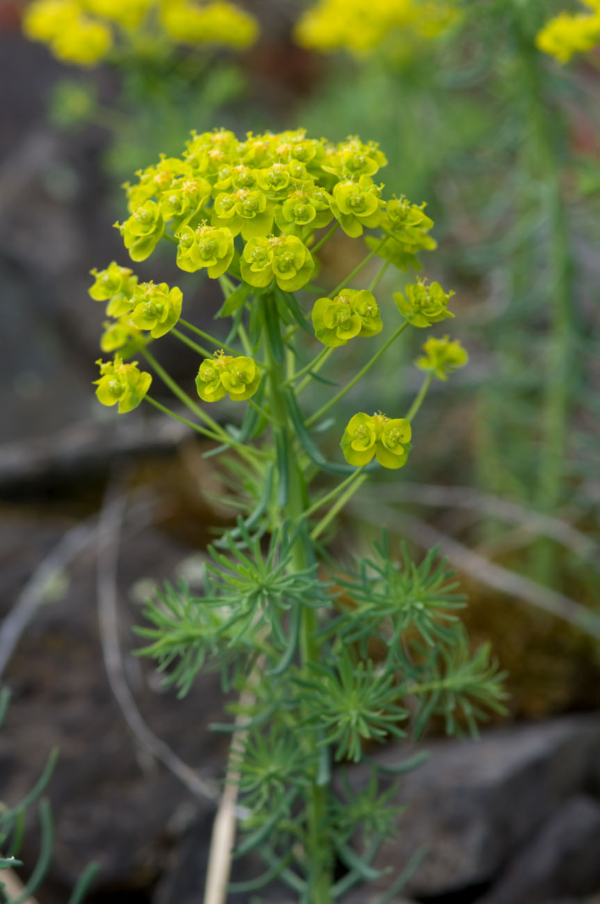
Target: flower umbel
[122, 384]
[442, 356]
[423, 304]
[376, 436]
[351, 313]
[240, 377]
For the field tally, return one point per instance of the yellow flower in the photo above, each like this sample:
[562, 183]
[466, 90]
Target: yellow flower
[240, 377]
[122, 384]
[442, 356]
[567, 34]
[351, 313]
[377, 436]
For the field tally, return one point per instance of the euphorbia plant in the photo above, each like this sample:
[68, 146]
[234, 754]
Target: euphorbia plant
[326, 656]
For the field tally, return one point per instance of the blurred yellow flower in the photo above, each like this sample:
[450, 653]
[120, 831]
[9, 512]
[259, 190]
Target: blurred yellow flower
[570, 33]
[83, 32]
[362, 26]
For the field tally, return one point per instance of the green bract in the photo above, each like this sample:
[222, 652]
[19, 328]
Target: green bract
[351, 313]
[423, 304]
[122, 384]
[367, 437]
[157, 308]
[442, 356]
[356, 205]
[207, 247]
[285, 257]
[240, 377]
[142, 231]
[112, 281]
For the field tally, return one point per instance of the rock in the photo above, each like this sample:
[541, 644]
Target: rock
[112, 802]
[472, 804]
[562, 859]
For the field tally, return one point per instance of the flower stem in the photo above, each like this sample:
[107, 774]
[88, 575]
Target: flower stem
[319, 855]
[331, 495]
[420, 397]
[323, 358]
[311, 366]
[357, 269]
[340, 395]
[217, 342]
[221, 435]
[325, 238]
[355, 485]
[191, 344]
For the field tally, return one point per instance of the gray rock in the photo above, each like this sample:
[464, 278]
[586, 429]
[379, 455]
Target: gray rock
[563, 858]
[112, 802]
[472, 804]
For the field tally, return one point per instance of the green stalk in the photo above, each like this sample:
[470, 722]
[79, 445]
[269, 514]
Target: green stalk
[213, 341]
[318, 847]
[420, 397]
[340, 395]
[249, 454]
[356, 484]
[559, 362]
[325, 238]
[328, 497]
[204, 352]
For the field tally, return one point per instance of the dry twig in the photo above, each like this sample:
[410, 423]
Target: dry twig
[111, 521]
[484, 571]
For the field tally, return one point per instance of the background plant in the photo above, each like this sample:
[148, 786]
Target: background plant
[289, 625]
[12, 831]
[491, 127]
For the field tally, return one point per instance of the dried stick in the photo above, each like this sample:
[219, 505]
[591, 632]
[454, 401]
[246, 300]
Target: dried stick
[13, 887]
[73, 542]
[484, 571]
[495, 507]
[111, 521]
[223, 834]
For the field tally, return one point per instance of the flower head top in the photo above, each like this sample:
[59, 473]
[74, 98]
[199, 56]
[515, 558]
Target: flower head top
[571, 33]
[157, 308]
[84, 32]
[442, 356]
[365, 26]
[283, 258]
[274, 190]
[376, 436]
[122, 384]
[351, 313]
[222, 374]
[423, 304]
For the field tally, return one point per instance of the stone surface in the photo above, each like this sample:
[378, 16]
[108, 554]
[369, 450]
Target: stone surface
[473, 804]
[112, 801]
[562, 859]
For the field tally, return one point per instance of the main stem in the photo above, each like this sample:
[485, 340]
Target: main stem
[318, 849]
[544, 155]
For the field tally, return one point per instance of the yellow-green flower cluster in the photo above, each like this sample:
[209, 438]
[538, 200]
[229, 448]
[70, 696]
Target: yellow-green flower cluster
[570, 33]
[122, 384]
[85, 32]
[376, 436]
[442, 357]
[363, 26]
[135, 307]
[351, 313]
[423, 305]
[240, 377]
[274, 191]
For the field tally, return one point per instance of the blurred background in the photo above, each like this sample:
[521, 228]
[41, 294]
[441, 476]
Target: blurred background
[502, 141]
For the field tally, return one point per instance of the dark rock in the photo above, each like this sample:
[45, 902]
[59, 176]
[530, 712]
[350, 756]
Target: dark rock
[563, 858]
[472, 804]
[112, 801]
